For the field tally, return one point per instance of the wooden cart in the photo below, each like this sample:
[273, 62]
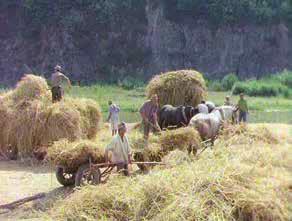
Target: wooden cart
[90, 173]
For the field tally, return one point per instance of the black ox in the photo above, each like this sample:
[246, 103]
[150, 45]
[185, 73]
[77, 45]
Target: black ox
[174, 117]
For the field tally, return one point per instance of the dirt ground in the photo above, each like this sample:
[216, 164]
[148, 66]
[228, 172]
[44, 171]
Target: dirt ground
[19, 180]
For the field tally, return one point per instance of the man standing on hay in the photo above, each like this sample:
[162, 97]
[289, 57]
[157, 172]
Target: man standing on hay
[113, 116]
[121, 151]
[243, 109]
[149, 114]
[227, 101]
[57, 80]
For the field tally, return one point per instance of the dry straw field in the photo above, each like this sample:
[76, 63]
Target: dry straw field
[246, 176]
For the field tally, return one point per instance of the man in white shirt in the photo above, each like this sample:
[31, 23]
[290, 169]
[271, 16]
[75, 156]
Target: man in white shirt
[121, 151]
[113, 117]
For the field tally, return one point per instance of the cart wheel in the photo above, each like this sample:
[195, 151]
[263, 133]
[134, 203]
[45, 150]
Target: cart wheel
[66, 179]
[86, 176]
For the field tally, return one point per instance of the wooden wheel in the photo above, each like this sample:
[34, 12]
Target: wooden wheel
[66, 179]
[85, 175]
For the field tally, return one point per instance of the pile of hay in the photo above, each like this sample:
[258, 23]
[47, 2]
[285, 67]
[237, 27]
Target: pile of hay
[73, 154]
[185, 139]
[29, 88]
[185, 87]
[243, 134]
[32, 121]
[223, 184]
[5, 118]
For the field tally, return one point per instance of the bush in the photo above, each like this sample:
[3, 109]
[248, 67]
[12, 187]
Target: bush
[231, 12]
[259, 88]
[286, 78]
[228, 81]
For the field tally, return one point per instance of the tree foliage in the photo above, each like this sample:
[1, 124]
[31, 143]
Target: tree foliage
[232, 11]
[215, 11]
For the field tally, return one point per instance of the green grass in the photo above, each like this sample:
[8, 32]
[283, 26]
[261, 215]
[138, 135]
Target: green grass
[263, 109]
[131, 100]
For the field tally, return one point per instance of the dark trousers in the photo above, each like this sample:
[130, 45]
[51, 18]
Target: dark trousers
[124, 168]
[57, 93]
[148, 127]
[242, 116]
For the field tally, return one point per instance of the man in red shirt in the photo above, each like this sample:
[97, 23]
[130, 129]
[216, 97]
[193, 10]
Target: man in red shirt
[149, 114]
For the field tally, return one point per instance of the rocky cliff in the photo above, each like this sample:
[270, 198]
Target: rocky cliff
[141, 44]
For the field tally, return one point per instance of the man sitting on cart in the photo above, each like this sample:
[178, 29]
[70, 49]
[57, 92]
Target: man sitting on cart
[120, 149]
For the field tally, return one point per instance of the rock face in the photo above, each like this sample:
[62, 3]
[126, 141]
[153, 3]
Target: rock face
[140, 46]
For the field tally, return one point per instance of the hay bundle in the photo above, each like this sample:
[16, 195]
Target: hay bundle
[5, 119]
[73, 154]
[184, 139]
[60, 121]
[150, 152]
[24, 127]
[90, 115]
[30, 87]
[185, 87]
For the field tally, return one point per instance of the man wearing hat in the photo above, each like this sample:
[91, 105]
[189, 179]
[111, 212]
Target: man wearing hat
[227, 101]
[120, 149]
[57, 80]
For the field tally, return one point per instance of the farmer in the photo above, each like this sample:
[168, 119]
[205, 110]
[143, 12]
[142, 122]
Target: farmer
[227, 101]
[149, 114]
[113, 117]
[57, 80]
[243, 108]
[121, 151]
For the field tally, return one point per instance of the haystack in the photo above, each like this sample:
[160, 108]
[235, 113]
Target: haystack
[90, 115]
[60, 121]
[34, 122]
[24, 127]
[185, 87]
[5, 118]
[73, 154]
[29, 88]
